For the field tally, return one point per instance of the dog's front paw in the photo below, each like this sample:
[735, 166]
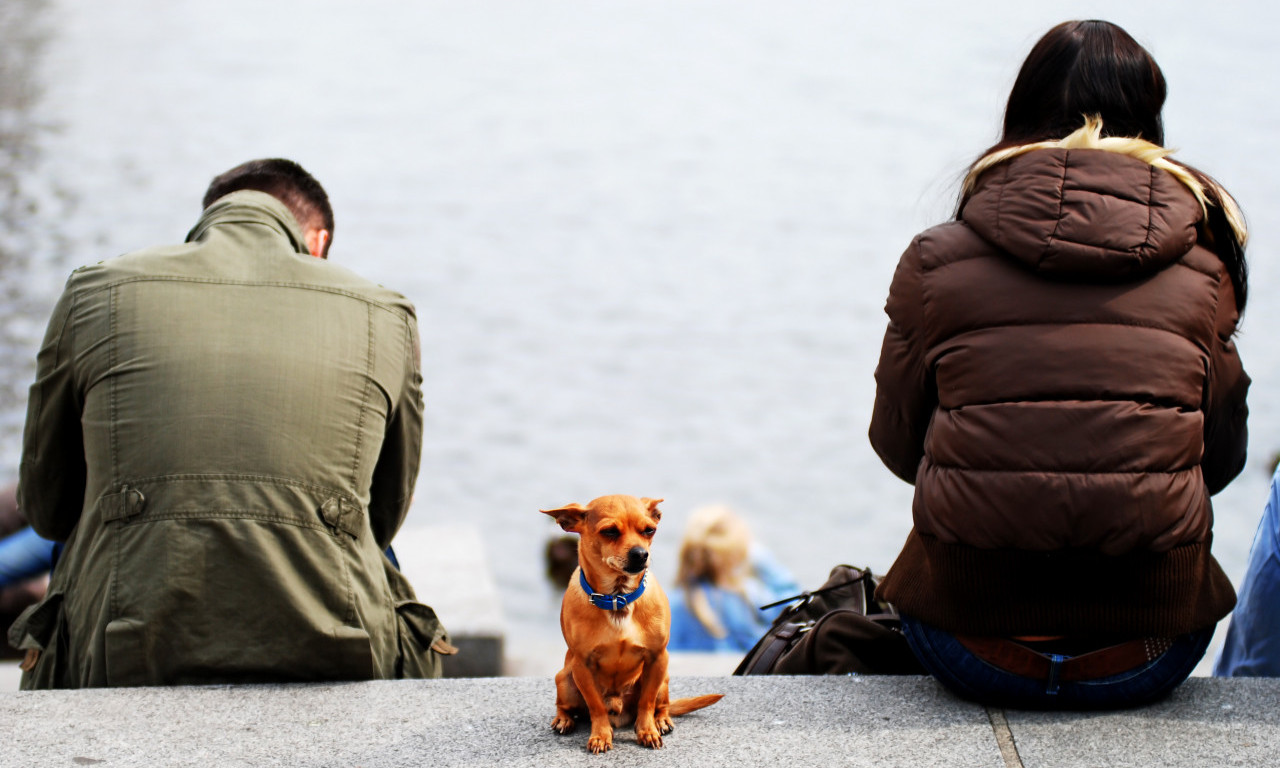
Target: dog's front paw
[600, 742]
[649, 737]
[563, 724]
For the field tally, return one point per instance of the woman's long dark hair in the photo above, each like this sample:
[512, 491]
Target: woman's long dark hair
[1085, 68]
[1096, 68]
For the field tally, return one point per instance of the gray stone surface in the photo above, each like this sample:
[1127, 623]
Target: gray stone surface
[490, 722]
[1206, 722]
[764, 722]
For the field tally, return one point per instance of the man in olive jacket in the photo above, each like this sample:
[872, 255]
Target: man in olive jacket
[226, 435]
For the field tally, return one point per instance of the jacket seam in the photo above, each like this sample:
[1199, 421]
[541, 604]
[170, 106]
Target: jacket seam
[77, 392]
[113, 591]
[113, 361]
[392, 308]
[1091, 399]
[1182, 262]
[345, 562]
[1061, 324]
[112, 326]
[1062, 194]
[194, 477]
[1041, 471]
[225, 513]
[393, 403]
[364, 400]
[1001, 255]
[1151, 201]
[1074, 551]
[413, 356]
[38, 392]
[1211, 372]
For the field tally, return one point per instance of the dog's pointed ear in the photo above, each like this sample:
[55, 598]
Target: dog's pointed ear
[569, 517]
[652, 505]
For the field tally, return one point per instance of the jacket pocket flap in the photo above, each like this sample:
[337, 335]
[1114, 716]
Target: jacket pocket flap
[421, 620]
[35, 626]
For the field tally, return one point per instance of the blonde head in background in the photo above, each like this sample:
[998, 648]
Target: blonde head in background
[714, 551]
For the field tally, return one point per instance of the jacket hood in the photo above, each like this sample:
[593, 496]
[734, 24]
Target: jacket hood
[1086, 207]
[250, 207]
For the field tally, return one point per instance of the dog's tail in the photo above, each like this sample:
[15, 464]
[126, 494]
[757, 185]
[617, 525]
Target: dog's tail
[685, 706]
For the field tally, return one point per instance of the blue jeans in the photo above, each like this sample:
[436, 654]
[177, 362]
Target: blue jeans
[971, 678]
[1252, 648]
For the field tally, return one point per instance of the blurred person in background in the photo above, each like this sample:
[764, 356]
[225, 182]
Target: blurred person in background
[722, 578]
[560, 555]
[1252, 647]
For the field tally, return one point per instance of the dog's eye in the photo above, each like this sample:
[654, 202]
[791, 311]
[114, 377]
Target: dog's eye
[650, 531]
[611, 533]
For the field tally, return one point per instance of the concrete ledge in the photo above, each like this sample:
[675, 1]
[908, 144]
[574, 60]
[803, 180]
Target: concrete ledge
[853, 721]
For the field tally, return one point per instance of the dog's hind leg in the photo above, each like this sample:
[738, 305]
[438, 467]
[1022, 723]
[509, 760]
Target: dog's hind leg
[568, 701]
[662, 712]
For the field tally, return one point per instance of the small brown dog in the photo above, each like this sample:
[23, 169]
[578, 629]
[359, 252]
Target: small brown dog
[616, 623]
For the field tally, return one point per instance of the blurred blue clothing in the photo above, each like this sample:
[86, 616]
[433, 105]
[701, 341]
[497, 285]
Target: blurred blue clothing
[24, 554]
[741, 617]
[1252, 648]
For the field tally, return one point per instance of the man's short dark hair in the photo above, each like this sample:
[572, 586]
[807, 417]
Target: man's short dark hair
[284, 180]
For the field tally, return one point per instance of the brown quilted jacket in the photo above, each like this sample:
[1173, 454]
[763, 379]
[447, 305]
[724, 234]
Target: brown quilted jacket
[1058, 380]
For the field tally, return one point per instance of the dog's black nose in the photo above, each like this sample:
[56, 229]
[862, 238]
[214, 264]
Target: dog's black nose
[637, 559]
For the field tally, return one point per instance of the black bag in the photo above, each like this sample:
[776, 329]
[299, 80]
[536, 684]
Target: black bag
[834, 630]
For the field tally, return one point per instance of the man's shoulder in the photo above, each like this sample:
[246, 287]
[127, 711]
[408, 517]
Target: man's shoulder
[138, 264]
[338, 277]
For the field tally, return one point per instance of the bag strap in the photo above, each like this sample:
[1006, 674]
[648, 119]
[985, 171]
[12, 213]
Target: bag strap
[762, 660]
[806, 596]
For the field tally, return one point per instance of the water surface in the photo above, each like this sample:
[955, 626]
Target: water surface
[649, 243]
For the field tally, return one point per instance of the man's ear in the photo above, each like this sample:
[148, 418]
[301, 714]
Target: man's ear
[569, 516]
[317, 241]
[652, 505]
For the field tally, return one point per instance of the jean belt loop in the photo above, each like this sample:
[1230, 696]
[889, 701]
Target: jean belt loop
[1055, 663]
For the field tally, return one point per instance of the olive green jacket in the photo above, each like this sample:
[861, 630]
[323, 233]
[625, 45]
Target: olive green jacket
[226, 434]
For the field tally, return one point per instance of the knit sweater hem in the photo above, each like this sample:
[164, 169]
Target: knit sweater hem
[1075, 593]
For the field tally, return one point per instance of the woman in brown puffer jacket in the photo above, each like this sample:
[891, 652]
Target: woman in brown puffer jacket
[1058, 380]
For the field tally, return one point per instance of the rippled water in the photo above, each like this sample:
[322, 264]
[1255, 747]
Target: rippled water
[649, 242]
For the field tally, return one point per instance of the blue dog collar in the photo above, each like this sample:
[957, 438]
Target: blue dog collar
[611, 602]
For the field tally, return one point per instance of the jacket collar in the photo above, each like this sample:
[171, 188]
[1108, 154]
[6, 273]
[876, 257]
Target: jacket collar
[250, 207]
